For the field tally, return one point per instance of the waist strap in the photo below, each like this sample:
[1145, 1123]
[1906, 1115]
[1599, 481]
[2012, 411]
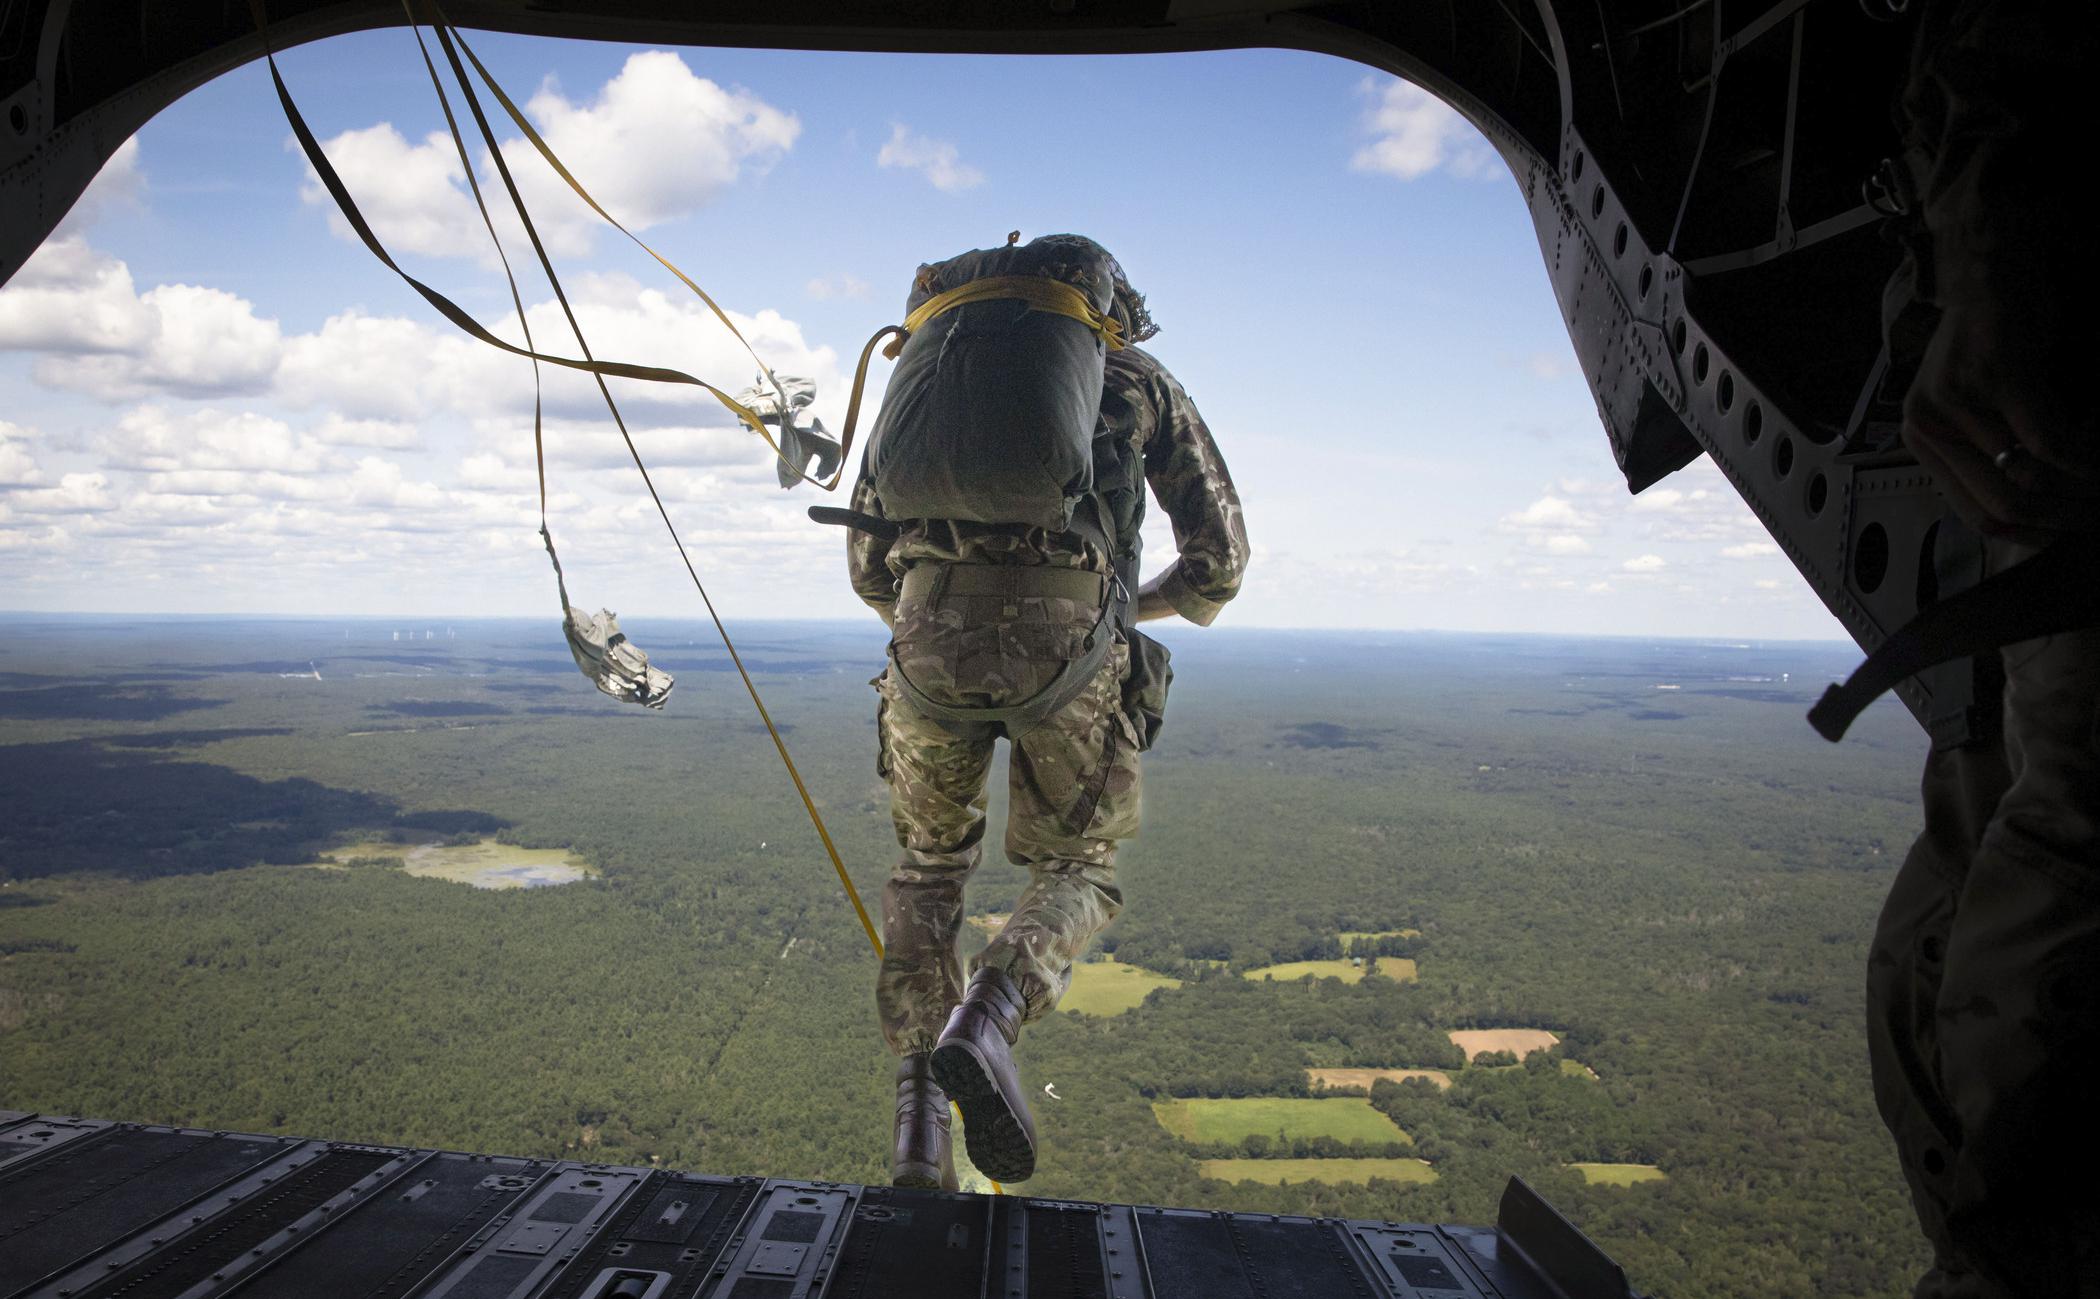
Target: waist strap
[1013, 581]
[1038, 581]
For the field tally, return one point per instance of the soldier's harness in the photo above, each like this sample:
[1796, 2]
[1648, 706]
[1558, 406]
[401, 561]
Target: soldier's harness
[1014, 583]
[1108, 516]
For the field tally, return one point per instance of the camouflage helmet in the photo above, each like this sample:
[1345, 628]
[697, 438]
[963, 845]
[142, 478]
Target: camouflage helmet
[1129, 307]
[1127, 304]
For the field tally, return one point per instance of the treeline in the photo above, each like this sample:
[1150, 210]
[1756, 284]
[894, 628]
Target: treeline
[1688, 914]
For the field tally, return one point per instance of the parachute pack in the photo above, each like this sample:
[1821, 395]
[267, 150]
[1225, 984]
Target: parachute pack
[989, 415]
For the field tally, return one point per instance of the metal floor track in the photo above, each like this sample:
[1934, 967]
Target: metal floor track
[97, 1210]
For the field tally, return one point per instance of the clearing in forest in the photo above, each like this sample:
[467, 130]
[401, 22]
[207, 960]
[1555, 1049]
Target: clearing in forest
[1398, 968]
[1275, 1172]
[1619, 1174]
[1295, 1118]
[1577, 1069]
[1110, 987]
[484, 865]
[1520, 1041]
[1361, 1079]
[991, 922]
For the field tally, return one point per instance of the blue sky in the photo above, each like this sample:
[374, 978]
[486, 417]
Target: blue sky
[211, 399]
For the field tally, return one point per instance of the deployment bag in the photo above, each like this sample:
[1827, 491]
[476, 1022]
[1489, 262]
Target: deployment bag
[989, 415]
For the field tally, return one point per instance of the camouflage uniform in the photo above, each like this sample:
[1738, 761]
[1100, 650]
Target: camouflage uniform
[1983, 983]
[1073, 780]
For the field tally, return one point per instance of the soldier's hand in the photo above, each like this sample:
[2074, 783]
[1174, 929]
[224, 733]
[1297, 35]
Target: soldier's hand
[1151, 605]
[1991, 416]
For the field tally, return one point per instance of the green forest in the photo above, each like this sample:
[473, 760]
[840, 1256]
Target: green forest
[1637, 846]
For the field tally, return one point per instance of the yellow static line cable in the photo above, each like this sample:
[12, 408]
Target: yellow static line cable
[546, 152]
[539, 448]
[332, 181]
[445, 42]
[852, 893]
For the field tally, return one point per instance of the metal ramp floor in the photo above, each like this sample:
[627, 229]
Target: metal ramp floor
[97, 1210]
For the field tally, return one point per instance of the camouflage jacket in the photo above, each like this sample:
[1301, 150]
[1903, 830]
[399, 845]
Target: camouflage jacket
[1141, 402]
[1993, 112]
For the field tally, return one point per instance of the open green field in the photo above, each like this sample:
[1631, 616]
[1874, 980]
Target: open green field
[1345, 1118]
[1398, 968]
[1349, 936]
[1275, 1172]
[1577, 1069]
[1521, 1041]
[1110, 987]
[1619, 1174]
[1361, 1079]
[484, 865]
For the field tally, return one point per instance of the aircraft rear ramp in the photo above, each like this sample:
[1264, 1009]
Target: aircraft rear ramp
[96, 1210]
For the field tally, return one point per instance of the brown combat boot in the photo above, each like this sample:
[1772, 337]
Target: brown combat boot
[920, 1156]
[974, 1064]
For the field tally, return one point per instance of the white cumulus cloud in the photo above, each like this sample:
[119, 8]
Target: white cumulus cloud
[120, 185]
[657, 141]
[94, 332]
[384, 434]
[1750, 550]
[70, 298]
[1550, 513]
[18, 467]
[412, 195]
[653, 144]
[1645, 564]
[937, 160]
[1413, 133]
[154, 438]
[81, 493]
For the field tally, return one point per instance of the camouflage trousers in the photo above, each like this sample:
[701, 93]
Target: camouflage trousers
[1983, 993]
[1073, 792]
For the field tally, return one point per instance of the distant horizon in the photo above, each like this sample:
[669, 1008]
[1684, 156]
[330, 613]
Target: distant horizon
[213, 395]
[734, 621]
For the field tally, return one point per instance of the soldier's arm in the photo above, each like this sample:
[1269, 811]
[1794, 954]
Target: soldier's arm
[1996, 109]
[1191, 483]
[867, 557]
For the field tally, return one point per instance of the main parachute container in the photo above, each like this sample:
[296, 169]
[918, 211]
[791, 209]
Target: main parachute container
[989, 415]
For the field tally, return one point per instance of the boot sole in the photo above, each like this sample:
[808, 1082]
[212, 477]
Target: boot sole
[997, 1140]
[919, 1177]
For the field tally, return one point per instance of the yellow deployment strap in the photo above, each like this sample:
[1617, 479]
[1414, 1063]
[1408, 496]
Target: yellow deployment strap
[599, 370]
[1040, 292]
[735, 407]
